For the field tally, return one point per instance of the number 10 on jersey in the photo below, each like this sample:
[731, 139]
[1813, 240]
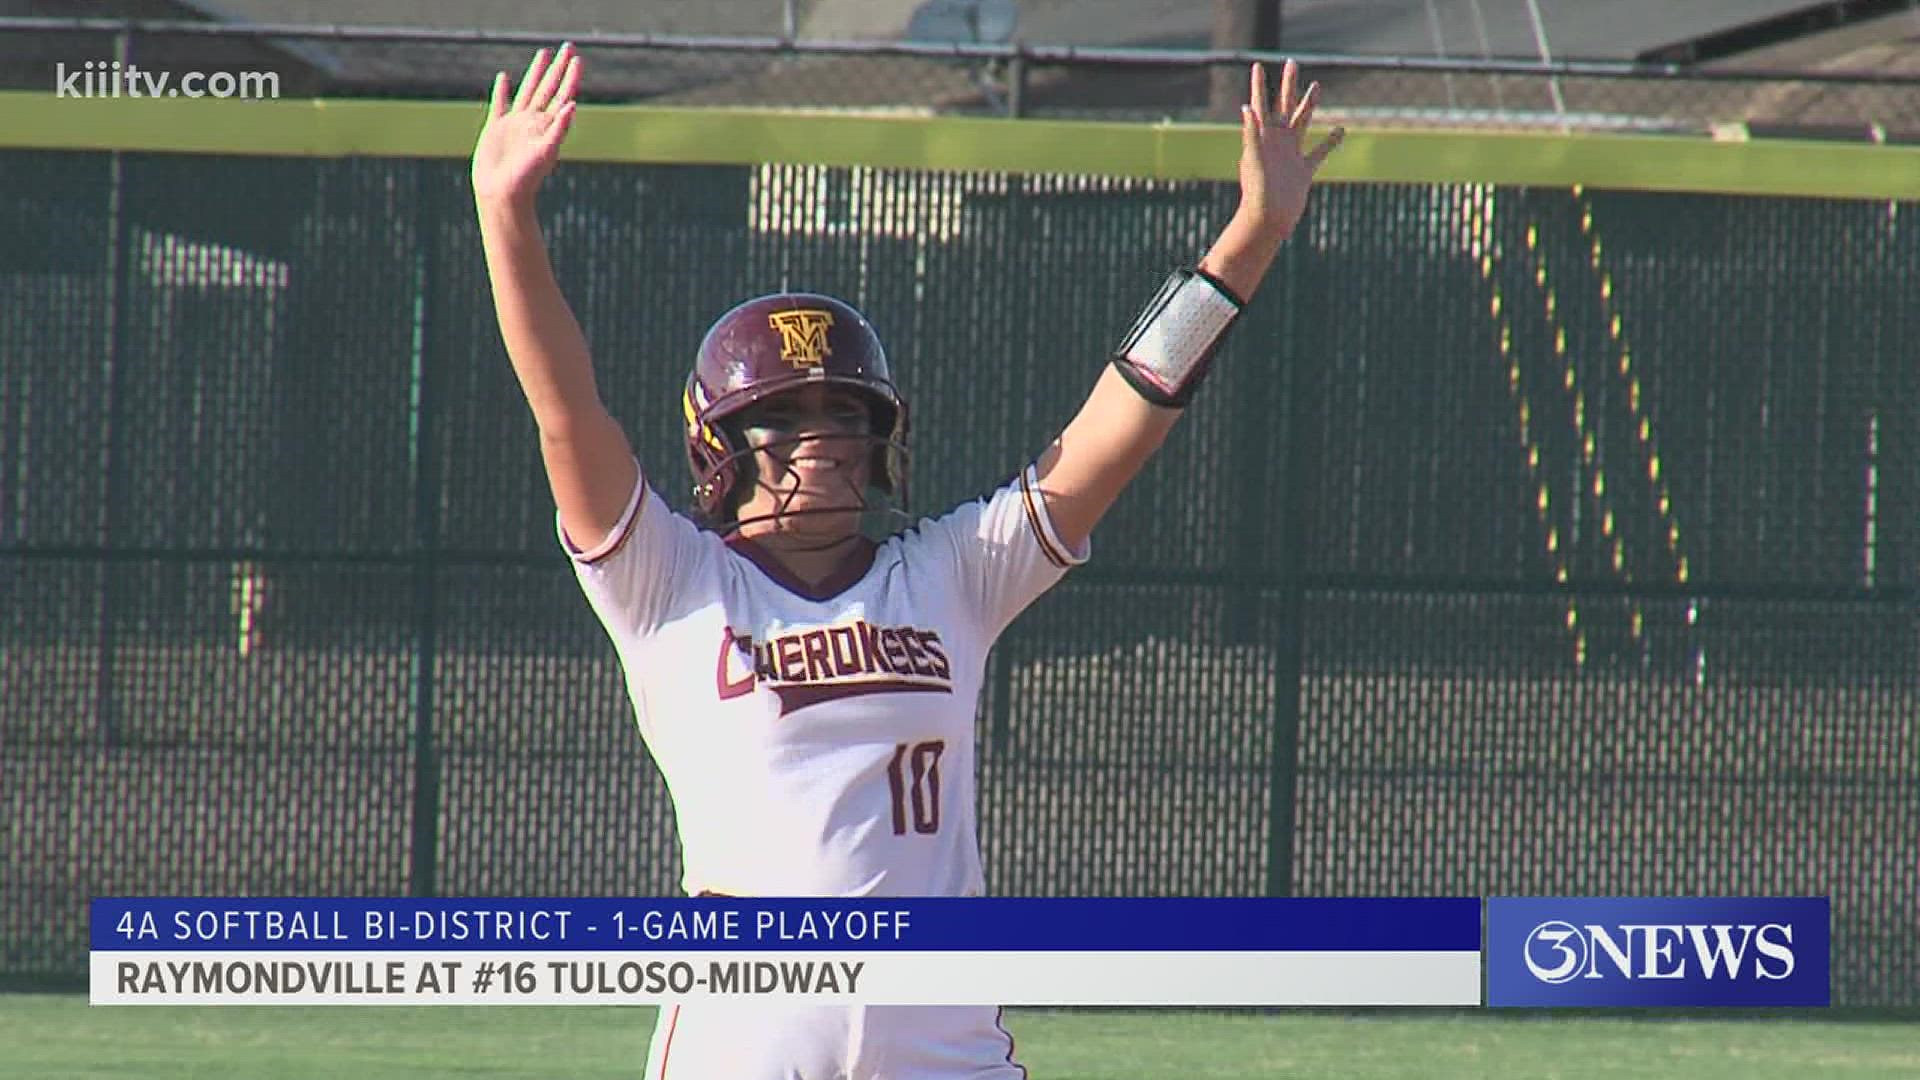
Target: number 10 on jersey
[914, 778]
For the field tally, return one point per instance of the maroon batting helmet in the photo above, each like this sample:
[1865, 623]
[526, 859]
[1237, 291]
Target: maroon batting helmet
[777, 343]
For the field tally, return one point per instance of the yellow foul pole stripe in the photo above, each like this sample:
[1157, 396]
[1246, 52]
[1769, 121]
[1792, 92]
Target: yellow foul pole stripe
[658, 135]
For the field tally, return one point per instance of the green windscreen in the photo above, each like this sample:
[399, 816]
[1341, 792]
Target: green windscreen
[1524, 540]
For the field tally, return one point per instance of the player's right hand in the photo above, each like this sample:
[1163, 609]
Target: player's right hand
[522, 137]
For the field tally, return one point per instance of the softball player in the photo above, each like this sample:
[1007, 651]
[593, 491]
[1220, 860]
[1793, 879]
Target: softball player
[832, 751]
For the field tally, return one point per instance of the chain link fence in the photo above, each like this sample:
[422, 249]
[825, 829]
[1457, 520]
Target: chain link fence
[1526, 541]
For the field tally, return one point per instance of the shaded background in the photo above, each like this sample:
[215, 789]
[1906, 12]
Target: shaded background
[1524, 541]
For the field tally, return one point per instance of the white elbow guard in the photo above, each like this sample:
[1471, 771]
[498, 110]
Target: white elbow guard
[1167, 353]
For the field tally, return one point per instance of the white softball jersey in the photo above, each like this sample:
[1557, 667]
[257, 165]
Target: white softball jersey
[820, 741]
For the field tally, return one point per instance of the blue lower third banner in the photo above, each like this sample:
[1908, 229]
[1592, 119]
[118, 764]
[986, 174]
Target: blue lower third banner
[1657, 952]
[1001, 951]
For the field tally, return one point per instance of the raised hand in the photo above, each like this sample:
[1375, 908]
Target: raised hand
[521, 140]
[1276, 168]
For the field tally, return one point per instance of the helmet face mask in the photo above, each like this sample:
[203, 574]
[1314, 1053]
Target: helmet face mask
[773, 346]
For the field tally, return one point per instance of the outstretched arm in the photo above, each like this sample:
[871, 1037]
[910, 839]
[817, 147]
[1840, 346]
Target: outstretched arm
[1118, 429]
[589, 462]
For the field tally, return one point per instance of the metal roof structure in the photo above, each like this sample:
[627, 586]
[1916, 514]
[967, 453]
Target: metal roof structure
[1877, 36]
[1580, 29]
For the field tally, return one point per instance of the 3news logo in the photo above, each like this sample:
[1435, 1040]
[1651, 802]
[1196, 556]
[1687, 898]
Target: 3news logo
[1657, 951]
[1559, 952]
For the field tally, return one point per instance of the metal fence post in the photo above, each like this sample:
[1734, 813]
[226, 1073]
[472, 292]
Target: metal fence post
[114, 452]
[1288, 645]
[423, 862]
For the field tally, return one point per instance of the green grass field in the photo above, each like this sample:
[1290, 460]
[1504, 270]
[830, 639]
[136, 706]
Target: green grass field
[58, 1037]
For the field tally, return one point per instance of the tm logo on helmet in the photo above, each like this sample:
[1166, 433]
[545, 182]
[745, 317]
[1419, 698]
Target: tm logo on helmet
[803, 335]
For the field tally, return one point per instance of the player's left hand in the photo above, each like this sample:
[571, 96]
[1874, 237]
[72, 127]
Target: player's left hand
[1276, 168]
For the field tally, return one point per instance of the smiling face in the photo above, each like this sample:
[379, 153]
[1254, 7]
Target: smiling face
[812, 454]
